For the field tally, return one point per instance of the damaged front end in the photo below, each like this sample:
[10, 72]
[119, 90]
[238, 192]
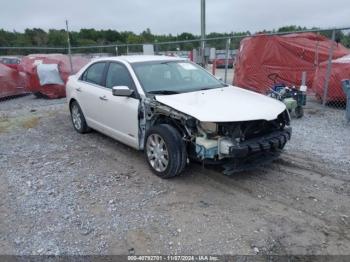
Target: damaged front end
[237, 146]
[243, 145]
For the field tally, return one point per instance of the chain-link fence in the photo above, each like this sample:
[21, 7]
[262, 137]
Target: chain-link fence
[294, 64]
[265, 63]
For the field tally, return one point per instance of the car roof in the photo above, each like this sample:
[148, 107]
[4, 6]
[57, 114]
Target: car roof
[141, 58]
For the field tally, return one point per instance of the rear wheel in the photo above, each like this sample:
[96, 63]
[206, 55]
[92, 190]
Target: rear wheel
[165, 151]
[299, 112]
[78, 119]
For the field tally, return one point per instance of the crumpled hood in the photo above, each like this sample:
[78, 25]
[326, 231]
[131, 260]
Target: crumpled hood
[227, 104]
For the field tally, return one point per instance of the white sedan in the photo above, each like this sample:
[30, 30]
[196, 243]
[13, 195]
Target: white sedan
[176, 111]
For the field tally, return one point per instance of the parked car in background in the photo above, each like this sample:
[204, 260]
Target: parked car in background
[12, 82]
[221, 61]
[12, 62]
[48, 73]
[184, 56]
[176, 112]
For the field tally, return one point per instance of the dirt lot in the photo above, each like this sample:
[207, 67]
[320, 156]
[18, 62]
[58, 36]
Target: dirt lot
[66, 193]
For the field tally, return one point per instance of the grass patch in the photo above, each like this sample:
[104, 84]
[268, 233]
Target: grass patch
[8, 124]
[30, 123]
[5, 124]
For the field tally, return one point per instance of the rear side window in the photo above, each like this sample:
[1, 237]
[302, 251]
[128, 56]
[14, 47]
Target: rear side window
[94, 74]
[118, 75]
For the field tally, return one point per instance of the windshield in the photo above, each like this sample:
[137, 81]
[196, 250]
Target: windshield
[173, 77]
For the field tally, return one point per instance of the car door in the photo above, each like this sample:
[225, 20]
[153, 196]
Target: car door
[89, 92]
[120, 113]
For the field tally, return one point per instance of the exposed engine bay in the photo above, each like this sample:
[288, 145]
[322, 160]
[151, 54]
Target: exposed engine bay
[218, 142]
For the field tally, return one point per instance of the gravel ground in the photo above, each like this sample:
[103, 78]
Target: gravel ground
[323, 133]
[66, 193]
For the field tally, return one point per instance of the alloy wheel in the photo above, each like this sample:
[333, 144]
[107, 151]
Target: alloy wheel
[157, 152]
[76, 117]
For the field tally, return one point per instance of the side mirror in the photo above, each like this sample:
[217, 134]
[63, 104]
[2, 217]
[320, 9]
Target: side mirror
[219, 78]
[122, 91]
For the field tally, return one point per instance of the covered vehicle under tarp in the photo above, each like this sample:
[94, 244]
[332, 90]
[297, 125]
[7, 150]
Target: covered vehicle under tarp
[12, 82]
[48, 73]
[340, 71]
[264, 60]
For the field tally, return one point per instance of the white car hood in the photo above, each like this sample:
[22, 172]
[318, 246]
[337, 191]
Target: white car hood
[227, 104]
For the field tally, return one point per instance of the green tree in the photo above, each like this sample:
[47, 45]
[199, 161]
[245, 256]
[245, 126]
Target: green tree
[291, 28]
[147, 36]
[91, 36]
[57, 37]
[36, 36]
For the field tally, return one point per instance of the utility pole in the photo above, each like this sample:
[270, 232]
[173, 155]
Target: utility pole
[69, 49]
[203, 32]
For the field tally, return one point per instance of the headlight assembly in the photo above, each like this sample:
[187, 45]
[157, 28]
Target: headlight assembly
[209, 127]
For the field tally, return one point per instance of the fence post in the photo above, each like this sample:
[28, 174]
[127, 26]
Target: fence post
[228, 43]
[303, 78]
[214, 66]
[156, 47]
[328, 72]
[69, 49]
[203, 34]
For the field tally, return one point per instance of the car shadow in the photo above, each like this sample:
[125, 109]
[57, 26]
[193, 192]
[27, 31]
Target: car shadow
[193, 170]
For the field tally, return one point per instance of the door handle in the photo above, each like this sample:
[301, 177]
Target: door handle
[104, 98]
[78, 89]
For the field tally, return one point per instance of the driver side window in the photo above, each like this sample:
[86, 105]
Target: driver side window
[118, 75]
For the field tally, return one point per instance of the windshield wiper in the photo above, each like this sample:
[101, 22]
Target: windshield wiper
[163, 92]
[208, 88]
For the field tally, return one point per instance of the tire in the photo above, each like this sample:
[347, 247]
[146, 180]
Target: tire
[299, 112]
[165, 151]
[78, 119]
[39, 95]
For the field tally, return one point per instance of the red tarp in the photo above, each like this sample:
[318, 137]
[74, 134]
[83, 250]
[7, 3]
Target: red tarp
[340, 71]
[12, 82]
[30, 62]
[287, 55]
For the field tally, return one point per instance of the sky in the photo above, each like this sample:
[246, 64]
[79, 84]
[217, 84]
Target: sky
[173, 16]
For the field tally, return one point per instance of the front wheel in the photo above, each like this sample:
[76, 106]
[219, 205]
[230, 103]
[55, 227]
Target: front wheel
[165, 151]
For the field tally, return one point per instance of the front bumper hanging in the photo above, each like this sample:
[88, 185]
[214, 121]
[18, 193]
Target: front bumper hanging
[255, 152]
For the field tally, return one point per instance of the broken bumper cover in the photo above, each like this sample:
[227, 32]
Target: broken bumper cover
[255, 152]
[270, 142]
